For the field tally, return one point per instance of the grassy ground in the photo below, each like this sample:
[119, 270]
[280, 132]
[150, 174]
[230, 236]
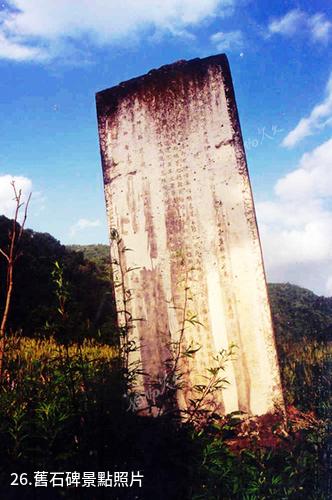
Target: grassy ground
[62, 409]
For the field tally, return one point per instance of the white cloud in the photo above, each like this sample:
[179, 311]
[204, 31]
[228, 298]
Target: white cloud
[319, 118]
[297, 21]
[288, 24]
[312, 178]
[36, 28]
[83, 224]
[7, 201]
[320, 28]
[296, 228]
[329, 286]
[230, 40]
[9, 49]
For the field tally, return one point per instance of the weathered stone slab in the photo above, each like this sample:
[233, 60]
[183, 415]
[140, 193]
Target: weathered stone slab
[178, 194]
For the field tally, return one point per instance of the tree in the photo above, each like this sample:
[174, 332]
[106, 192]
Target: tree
[11, 255]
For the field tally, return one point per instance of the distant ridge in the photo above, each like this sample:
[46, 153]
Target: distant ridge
[298, 314]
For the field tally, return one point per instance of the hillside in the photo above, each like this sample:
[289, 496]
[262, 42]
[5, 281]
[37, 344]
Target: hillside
[35, 302]
[297, 313]
[98, 254]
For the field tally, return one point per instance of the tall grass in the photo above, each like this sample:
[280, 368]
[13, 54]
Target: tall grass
[306, 370]
[62, 409]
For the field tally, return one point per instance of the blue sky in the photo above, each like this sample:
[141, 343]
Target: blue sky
[55, 54]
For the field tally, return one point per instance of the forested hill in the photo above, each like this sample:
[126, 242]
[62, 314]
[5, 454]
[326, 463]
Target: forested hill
[98, 254]
[84, 286]
[297, 312]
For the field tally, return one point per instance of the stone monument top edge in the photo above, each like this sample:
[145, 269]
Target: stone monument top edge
[159, 77]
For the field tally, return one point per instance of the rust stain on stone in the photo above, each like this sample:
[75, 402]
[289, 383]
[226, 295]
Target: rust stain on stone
[149, 225]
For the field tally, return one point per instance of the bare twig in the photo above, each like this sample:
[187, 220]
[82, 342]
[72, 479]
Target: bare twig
[11, 255]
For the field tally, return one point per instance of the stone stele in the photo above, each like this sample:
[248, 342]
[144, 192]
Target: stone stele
[186, 255]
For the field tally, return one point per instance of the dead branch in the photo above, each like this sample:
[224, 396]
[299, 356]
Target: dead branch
[11, 256]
